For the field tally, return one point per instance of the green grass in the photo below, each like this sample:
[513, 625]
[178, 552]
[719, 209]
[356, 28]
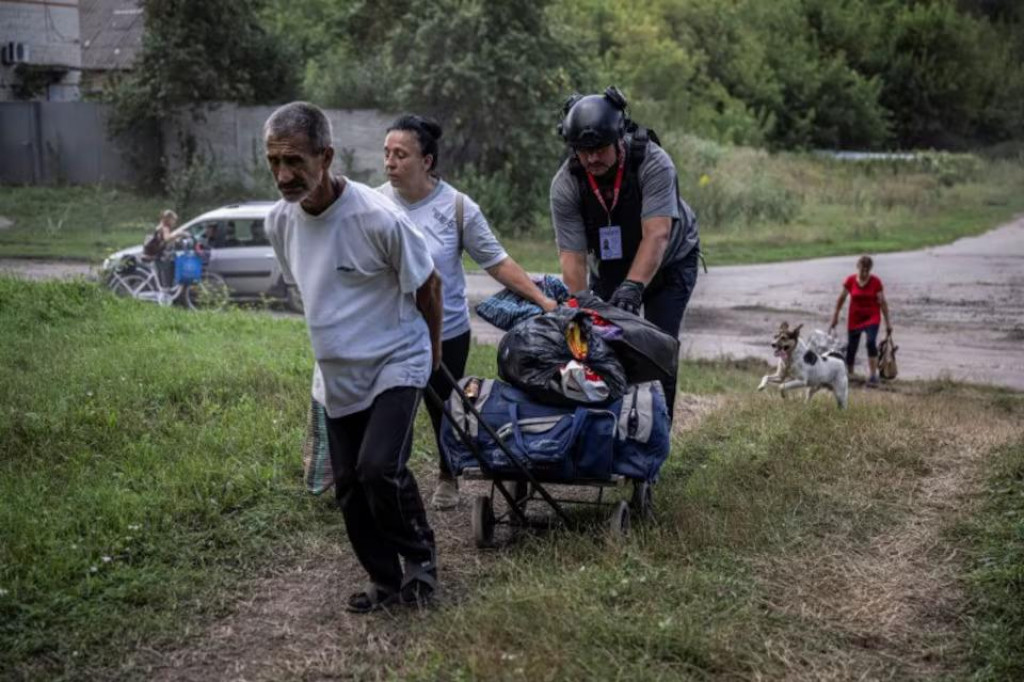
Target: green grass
[149, 468]
[759, 510]
[681, 599]
[75, 223]
[148, 463]
[994, 540]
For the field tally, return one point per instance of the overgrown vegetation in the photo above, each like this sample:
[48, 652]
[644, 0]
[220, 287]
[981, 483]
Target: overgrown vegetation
[995, 540]
[155, 470]
[196, 53]
[785, 75]
[789, 74]
[88, 223]
[84, 223]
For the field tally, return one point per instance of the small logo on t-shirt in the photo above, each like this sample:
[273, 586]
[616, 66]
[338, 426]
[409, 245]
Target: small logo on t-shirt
[444, 221]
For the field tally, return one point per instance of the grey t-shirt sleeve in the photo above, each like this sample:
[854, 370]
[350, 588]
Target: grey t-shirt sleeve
[566, 218]
[275, 224]
[478, 239]
[407, 252]
[658, 185]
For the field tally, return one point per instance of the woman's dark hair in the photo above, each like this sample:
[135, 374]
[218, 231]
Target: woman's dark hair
[866, 262]
[427, 131]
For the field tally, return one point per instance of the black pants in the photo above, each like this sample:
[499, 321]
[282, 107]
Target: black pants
[376, 490]
[853, 342]
[665, 302]
[454, 353]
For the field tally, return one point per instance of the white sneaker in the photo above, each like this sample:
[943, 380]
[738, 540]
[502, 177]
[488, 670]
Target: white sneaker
[446, 495]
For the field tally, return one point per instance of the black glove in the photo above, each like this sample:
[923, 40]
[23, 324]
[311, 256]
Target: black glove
[629, 296]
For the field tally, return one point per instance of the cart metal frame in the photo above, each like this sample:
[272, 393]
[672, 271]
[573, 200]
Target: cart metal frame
[526, 486]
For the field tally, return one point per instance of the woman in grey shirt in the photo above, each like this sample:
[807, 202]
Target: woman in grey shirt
[410, 161]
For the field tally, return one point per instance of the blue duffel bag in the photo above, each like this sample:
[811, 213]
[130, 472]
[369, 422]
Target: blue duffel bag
[630, 437]
[556, 443]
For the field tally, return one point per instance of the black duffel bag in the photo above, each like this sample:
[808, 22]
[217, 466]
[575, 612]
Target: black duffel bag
[532, 355]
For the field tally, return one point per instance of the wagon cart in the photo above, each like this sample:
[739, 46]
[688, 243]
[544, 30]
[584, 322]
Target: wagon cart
[521, 482]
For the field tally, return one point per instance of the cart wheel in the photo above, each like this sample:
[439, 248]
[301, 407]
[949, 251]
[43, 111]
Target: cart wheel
[618, 524]
[483, 521]
[642, 503]
[521, 491]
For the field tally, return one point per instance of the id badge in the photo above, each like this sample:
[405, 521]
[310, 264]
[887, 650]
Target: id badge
[611, 242]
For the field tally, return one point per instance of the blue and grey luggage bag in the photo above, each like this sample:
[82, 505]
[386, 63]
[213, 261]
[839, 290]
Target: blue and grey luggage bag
[556, 443]
[642, 433]
[630, 437]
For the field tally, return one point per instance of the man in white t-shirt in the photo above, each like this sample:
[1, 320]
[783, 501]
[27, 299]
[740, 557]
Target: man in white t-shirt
[373, 307]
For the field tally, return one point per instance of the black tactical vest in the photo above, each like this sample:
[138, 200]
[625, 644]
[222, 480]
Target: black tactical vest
[626, 215]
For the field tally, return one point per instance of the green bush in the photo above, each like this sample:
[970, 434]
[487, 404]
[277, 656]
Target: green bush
[731, 186]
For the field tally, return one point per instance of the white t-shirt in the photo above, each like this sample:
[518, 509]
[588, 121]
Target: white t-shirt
[435, 216]
[358, 266]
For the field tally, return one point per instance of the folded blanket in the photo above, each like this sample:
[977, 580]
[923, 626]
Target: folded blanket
[505, 308]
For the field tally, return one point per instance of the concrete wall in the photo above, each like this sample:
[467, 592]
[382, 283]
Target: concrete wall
[46, 143]
[66, 142]
[51, 32]
[232, 136]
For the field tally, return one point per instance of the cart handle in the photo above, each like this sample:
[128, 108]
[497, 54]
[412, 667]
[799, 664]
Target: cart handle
[523, 469]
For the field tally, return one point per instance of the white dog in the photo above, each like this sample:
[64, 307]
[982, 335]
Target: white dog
[801, 367]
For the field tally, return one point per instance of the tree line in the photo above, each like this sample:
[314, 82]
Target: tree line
[781, 74]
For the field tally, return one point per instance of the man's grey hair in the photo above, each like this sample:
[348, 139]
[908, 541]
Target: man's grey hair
[300, 118]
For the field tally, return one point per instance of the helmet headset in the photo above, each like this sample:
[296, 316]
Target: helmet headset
[593, 121]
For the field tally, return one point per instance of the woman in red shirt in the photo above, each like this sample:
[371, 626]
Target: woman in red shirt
[867, 307]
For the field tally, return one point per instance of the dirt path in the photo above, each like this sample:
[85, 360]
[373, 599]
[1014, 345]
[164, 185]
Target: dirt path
[292, 625]
[30, 268]
[958, 310]
[891, 604]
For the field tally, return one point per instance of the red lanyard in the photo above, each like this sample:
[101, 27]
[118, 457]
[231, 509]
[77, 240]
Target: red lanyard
[618, 186]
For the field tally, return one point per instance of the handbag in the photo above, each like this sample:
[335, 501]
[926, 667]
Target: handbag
[887, 358]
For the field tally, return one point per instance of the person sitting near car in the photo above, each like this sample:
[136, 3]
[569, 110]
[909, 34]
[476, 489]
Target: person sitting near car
[230, 236]
[207, 241]
[168, 222]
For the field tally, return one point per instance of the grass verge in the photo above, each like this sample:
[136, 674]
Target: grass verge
[994, 540]
[74, 223]
[789, 545]
[150, 471]
[148, 465]
[753, 207]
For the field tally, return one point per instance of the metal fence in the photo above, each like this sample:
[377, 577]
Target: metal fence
[50, 143]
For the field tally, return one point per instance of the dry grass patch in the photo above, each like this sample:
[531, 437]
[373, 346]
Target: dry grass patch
[889, 603]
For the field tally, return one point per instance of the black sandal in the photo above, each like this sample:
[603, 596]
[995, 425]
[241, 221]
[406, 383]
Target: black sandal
[372, 599]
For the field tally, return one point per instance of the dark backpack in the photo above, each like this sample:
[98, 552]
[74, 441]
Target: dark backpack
[154, 244]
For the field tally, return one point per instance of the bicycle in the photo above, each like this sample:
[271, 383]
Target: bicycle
[137, 279]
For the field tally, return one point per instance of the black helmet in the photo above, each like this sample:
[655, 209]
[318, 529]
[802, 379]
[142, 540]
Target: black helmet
[594, 121]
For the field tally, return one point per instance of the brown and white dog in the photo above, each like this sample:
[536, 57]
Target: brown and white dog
[801, 367]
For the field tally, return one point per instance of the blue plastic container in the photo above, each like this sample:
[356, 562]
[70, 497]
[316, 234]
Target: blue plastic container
[188, 267]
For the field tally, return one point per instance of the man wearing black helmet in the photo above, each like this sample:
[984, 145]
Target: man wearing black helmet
[622, 229]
